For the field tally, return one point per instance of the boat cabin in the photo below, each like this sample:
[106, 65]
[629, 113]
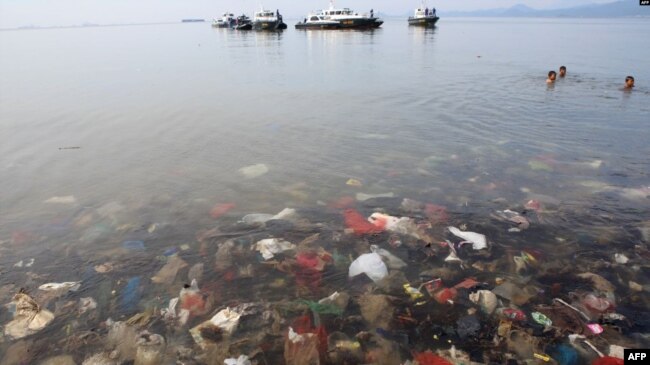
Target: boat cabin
[265, 15]
[331, 12]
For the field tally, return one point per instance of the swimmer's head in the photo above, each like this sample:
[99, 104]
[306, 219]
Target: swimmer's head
[629, 82]
[562, 71]
[551, 76]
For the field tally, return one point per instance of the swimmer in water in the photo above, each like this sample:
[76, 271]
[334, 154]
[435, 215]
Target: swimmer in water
[562, 71]
[551, 77]
[629, 82]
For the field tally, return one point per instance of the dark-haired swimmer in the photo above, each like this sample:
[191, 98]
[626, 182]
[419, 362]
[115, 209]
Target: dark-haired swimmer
[629, 82]
[551, 77]
[562, 71]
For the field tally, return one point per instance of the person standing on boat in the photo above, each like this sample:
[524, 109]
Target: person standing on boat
[426, 11]
[372, 13]
[433, 12]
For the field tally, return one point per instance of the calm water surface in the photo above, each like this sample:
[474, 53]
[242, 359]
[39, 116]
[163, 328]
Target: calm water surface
[164, 116]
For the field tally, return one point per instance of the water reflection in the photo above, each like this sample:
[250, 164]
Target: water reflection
[422, 34]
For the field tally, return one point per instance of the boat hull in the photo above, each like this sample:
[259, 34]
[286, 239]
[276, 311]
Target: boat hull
[247, 26]
[223, 25]
[429, 21]
[332, 25]
[363, 23]
[274, 25]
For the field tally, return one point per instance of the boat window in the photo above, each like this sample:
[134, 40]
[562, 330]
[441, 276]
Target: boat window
[314, 18]
[338, 13]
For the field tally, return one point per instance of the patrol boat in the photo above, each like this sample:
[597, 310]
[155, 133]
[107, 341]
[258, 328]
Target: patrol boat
[424, 17]
[268, 20]
[227, 21]
[318, 21]
[346, 18]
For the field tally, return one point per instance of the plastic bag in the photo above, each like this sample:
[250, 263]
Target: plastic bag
[401, 225]
[271, 246]
[167, 274]
[301, 349]
[370, 264]
[241, 360]
[358, 223]
[192, 300]
[151, 349]
[29, 318]
[477, 240]
[392, 261]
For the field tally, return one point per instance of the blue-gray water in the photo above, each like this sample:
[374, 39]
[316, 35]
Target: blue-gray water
[164, 116]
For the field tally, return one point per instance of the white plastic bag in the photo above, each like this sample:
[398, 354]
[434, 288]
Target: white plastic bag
[370, 264]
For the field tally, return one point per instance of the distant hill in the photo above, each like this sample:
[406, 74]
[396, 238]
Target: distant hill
[623, 8]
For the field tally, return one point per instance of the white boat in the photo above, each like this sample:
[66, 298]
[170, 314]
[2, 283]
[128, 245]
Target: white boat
[423, 16]
[268, 20]
[346, 18]
[227, 20]
[318, 21]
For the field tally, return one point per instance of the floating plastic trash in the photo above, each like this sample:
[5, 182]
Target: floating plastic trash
[29, 317]
[477, 240]
[362, 197]
[253, 171]
[23, 263]
[353, 182]
[133, 245]
[170, 251]
[167, 274]
[271, 246]
[68, 285]
[445, 295]
[541, 319]
[429, 358]
[608, 360]
[358, 223]
[370, 264]
[621, 258]
[86, 304]
[241, 360]
[195, 273]
[542, 357]
[392, 261]
[301, 349]
[68, 199]
[130, 296]
[221, 209]
[564, 354]
[512, 314]
[401, 225]
[151, 349]
[485, 299]
[192, 300]
[412, 292]
[595, 328]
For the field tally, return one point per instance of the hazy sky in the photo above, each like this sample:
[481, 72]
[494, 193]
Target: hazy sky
[14, 13]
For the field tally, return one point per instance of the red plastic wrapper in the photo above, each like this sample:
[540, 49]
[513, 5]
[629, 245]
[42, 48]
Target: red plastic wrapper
[437, 214]
[608, 360]
[358, 223]
[429, 358]
[221, 209]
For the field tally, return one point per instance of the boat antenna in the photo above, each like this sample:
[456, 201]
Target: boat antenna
[331, 4]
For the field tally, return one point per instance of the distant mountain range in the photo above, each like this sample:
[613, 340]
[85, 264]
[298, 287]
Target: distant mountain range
[623, 8]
